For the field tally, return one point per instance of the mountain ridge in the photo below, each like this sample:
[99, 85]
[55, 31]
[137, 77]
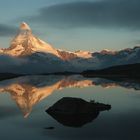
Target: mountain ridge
[119, 71]
[30, 55]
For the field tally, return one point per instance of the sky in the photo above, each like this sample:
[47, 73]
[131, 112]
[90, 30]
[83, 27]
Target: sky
[73, 25]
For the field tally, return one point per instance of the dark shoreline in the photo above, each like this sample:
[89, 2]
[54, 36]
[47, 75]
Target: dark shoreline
[5, 76]
[131, 71]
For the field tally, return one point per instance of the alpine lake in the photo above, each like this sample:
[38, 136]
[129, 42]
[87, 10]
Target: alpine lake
[58, 107]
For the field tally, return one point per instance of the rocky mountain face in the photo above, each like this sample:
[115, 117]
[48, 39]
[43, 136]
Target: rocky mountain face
[28, 54]
[25, 43]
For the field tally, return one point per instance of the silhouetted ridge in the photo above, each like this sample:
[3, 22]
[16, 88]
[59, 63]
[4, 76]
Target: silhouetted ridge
[130, 70]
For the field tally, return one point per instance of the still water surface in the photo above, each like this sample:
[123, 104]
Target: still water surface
[23, 102]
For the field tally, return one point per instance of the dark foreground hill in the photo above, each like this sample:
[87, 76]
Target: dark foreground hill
[130, 70]
[4, 76]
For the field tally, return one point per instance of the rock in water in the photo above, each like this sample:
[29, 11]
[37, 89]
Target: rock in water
[76, 112]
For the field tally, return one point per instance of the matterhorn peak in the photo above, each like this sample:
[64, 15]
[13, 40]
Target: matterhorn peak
[25, 43]
[25, 27]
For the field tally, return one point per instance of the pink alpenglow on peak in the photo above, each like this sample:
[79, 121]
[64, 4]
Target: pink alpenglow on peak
[24, 26]
[31, 55]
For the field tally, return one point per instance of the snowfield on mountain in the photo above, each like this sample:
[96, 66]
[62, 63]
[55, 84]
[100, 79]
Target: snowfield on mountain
[28, 54]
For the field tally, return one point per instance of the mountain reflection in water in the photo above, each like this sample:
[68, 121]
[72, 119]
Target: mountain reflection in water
[30, 90]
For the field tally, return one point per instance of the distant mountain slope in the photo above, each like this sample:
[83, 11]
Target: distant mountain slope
[130, 70]
[5, 76]
[28, 54]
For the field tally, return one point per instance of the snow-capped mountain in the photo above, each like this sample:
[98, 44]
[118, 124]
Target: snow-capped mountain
[29, 54]
[25, 43]
[113, 58]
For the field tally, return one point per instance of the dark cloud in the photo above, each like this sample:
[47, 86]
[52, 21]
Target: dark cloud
[6, 30]
[103, 13]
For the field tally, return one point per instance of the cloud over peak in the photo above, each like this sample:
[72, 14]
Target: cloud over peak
[104, 13]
